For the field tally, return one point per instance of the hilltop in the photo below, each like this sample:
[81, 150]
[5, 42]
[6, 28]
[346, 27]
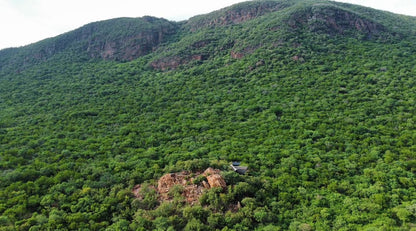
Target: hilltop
[315, 97]
[125, 39]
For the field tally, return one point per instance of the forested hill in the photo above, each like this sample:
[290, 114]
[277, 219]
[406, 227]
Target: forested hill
[316, 98]
[126, 39]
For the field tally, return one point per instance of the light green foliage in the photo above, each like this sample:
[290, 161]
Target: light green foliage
[324, 119]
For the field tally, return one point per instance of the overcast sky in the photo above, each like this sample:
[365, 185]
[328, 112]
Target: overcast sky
[27, 21]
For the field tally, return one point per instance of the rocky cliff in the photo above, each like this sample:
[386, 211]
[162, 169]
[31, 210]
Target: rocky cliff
[121, 39]
[236, 14]
[232, 31]
[334, 20]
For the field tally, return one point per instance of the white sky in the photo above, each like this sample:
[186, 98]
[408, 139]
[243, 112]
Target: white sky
[27, 21]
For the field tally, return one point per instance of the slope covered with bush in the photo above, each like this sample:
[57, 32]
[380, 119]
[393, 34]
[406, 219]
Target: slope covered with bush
[317, 98]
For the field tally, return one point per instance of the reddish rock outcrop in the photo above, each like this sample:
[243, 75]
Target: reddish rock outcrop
[167, 181]
[214, 178]
[330, 19]
[191, 192]
[216, 181]
[235, 14]
[211, 171]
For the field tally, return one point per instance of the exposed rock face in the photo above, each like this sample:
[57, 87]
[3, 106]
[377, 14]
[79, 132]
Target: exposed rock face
[125, 39]
[214, 178]
[191, 192]
[216, 181]
[235, 14]
[339, 21]
[211, 171]
[128, 48]
[145, 36]
[329, 19]
[120, 39]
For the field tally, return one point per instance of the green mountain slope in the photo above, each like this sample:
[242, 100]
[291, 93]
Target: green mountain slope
[315, 97]
[119, 39]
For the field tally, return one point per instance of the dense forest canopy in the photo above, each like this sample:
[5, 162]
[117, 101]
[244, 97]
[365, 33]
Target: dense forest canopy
[316, 98]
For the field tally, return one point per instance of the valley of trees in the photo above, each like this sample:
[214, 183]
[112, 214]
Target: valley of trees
[324, 117]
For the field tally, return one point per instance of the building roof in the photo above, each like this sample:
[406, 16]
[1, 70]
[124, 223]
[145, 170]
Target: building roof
[239, 169]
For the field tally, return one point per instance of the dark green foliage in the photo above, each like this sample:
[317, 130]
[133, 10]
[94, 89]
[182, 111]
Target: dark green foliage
[323, 116]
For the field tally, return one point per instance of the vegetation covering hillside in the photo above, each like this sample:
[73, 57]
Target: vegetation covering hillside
[317, 98]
